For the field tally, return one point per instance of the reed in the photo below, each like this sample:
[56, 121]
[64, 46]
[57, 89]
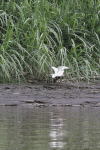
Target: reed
[34, 35]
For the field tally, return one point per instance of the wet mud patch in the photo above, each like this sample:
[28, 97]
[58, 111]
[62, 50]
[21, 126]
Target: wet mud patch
[65, 94]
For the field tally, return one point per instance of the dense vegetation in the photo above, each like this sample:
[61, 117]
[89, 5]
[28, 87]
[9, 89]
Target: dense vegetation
[34, 35]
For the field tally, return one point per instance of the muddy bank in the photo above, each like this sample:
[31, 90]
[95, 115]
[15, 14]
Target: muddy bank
[41, 95]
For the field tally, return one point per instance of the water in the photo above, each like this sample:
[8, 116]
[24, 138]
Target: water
[49, 128]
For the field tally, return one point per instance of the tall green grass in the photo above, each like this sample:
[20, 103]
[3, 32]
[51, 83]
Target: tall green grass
[34, 35]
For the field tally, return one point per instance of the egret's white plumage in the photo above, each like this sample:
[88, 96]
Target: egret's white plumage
[59, 72]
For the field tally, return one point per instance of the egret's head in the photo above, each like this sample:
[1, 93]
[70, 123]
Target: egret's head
[53, 75]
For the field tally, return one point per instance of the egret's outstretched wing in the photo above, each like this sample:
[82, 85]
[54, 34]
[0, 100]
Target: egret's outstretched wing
[55, 69]
[62, 68]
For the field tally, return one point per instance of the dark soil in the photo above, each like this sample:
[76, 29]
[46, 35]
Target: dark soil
[41, 95]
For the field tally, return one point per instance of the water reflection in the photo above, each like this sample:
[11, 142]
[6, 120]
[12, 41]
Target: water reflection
[49, 128]
[57, 131]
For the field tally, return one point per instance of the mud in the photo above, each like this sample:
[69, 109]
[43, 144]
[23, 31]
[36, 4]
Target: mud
[65, 94]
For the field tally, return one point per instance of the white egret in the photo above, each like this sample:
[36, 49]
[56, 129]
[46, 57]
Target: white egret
[59, 72]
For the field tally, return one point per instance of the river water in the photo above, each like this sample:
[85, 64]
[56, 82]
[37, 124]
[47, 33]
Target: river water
[49, 128]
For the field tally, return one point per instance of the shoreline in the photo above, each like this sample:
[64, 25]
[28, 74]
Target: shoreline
[43, 95]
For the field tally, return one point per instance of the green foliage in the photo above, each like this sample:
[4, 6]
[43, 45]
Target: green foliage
[34, 35]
